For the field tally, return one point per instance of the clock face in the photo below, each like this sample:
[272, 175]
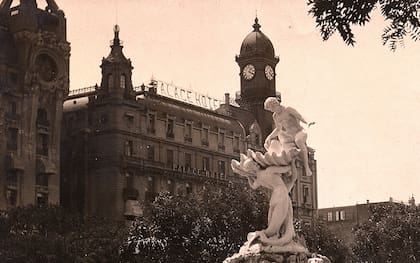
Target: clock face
[248, 72]
[269, 72]
[46, 67]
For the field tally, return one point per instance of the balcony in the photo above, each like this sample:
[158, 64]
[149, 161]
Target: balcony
[170, 135]
[188, 138]
[236, 150]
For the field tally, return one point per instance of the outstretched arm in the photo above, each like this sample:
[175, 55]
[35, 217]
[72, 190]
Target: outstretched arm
[297, 115]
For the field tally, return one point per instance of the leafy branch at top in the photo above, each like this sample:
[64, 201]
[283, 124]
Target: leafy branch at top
[339, 15]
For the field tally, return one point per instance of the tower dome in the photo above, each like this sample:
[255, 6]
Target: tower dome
[257, 43]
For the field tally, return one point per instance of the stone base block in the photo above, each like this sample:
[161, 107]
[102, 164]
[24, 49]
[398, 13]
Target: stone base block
[269, 258]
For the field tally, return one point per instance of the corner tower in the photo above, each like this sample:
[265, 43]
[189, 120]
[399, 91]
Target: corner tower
[116, 71]
[257, 63]
[34, 80]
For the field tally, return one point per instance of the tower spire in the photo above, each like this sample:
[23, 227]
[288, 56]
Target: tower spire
[116, 41]
[256, 26]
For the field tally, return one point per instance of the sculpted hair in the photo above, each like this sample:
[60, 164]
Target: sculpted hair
[270, 102]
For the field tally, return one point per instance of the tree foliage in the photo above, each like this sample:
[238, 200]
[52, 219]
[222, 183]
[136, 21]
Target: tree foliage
[204, 227]
[341, 15]
[319, 239]
[392, 234]
[50, 234]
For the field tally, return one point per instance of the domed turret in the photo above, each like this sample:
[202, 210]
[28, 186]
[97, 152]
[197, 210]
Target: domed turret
[257, 43]
[116, 70]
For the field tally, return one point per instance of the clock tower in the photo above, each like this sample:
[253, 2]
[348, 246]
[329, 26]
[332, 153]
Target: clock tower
[257, 63]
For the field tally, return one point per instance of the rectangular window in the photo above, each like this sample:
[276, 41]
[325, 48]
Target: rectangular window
[11, 197]
[188, 132]
[236, 144]
[122, 81]
[129, 118]
[205, 136]
[12, 178]
[170, 159]
[41, 180]
[110, 81]
[42, 144]
[170, 128]
[206, 164]
[12, 139]
[42, 118]
[222, 168]
[221, 140]
[342, 215]
[150, 152]
[151, 123]
[12, 187]
[330, 216]
[188, 161]
[12, 111]
[337, 215]
[305, 194]
[128, 148]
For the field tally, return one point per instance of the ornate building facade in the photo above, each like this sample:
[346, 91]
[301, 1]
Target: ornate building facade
[122, 144]
[34, 70]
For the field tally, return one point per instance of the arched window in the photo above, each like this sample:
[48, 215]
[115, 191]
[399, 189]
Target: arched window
[122, 81]
[110, 81]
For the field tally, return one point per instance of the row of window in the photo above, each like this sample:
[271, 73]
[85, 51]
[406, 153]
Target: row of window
[41, 198]
[188, 133]
[122, 81]
[41, 119]
[339, 216]
[42, 139]
[12, 189]
[150, 149]
[306, 196]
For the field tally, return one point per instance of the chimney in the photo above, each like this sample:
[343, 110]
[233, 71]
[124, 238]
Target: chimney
[227, 99]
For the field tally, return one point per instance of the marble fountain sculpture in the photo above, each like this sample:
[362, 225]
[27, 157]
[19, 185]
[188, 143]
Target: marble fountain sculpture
[276, 170]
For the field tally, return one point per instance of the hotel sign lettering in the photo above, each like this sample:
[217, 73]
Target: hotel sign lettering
[185, 95]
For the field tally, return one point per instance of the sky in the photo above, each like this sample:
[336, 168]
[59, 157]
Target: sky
[364, 99]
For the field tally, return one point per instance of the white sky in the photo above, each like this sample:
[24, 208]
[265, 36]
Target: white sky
[365, 100]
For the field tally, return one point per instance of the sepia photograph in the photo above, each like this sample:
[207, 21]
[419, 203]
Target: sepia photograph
[234, 131]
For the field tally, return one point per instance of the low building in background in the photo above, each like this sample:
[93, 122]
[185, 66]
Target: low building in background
[341, 220]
